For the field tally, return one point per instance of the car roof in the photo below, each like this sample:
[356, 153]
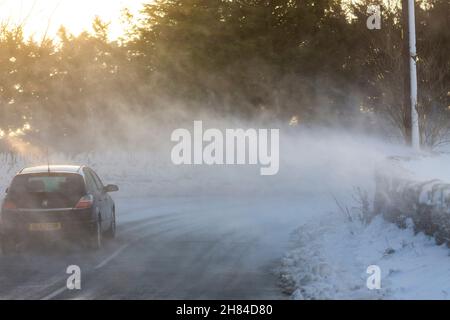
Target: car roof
[52, 168]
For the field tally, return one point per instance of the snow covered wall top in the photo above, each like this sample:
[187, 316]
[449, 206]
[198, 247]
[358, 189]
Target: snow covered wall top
[409, 188]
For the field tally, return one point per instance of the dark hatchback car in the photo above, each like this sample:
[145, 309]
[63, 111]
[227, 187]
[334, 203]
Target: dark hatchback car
[57, 202]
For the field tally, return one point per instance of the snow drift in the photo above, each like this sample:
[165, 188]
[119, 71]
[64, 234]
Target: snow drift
[329, 260]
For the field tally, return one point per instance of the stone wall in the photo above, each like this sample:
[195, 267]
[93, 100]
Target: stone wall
[403, 199]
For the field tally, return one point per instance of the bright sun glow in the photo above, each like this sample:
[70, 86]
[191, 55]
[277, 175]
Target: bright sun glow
[46, 16]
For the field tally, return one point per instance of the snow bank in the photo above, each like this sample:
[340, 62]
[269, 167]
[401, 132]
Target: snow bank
[409, 188]
[330, 258]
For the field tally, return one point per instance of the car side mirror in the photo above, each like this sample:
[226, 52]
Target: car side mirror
[111, 188]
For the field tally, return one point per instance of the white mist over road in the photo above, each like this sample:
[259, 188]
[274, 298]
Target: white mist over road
[198, 232]
[171, 248]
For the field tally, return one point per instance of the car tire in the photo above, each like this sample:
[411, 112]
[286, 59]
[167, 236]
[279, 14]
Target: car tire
[96, 239]
[111, 233]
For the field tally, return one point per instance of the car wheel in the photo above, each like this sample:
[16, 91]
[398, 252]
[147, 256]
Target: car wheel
[111, 233]
[97, 237]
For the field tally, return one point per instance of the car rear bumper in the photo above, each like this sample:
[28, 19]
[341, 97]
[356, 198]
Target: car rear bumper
[61, 223]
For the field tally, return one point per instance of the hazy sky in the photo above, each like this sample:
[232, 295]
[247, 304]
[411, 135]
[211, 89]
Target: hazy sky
[76, 15]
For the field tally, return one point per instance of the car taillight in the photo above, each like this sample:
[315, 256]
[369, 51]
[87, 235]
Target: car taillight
[85, 202]
[9, 205]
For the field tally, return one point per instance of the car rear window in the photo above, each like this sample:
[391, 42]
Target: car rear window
[47, 190]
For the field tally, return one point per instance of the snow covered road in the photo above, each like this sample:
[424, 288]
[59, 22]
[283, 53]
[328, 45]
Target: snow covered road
[171, 248]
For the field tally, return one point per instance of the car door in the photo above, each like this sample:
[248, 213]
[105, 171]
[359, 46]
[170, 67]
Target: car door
[106, 208]
[94, 190]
